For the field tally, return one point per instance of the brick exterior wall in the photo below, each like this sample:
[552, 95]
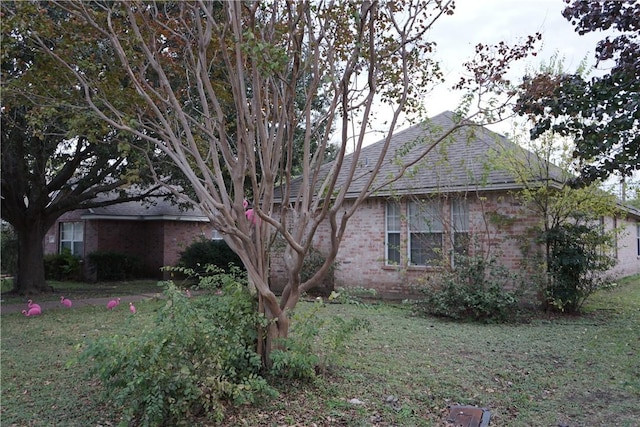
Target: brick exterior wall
[498, 224]
[628, 252]
[156, 243]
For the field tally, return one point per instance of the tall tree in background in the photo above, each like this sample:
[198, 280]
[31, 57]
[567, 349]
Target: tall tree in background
[270, 62]
[602, 114]
[55, 158]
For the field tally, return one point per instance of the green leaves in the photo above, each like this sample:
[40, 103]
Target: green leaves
[316, 342]
[601, 114]
[199, 353]
[580, 254]
[478, 289]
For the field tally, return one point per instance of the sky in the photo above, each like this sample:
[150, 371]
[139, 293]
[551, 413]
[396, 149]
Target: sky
[492, 21]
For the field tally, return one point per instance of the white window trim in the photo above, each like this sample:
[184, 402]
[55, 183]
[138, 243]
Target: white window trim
[73, 240]
[387, 261]
[638, 239]
[454, 230]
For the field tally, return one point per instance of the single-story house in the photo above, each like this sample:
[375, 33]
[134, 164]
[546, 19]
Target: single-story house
[153, 232]
[453, 200]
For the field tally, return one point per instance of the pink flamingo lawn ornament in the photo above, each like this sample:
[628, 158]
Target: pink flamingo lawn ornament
[31, 304]
[66, 302]
[113, 303]
[250, 214]
[33, 311]
[132, 308]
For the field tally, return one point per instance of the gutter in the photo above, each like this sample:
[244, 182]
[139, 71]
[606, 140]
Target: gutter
[146, 218]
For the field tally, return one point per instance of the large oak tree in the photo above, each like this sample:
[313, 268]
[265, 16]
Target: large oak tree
[56, 155]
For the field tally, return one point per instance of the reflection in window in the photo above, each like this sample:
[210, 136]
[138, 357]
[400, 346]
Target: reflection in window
[460, 225]
[426, 232]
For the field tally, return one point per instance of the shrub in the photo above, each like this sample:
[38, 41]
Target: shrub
[315, 343]
[114, 265]
[313, 260]
[475, 290]
[354, 295]
[62, 266]
[198, 354]
[209, 252]
[576, 265]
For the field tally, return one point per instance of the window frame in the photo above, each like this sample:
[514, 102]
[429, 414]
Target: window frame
[73, 242]
[391, 204]
[425, 219]
[459, 226]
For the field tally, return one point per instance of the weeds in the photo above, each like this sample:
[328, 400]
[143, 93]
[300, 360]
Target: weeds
[317, 341]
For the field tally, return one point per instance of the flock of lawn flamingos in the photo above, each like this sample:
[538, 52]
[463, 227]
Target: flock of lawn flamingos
[34, 309]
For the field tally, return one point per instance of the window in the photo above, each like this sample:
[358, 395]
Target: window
[460, 225]
[638, 235]
[72, 237]
[392, 243]
[426, 232]
[216, 235]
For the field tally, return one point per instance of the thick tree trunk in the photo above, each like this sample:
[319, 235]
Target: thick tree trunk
[269, 338]
[278, 320]
[30, 274]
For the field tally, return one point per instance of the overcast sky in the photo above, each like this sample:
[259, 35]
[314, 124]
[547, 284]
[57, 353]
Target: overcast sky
[492, 21]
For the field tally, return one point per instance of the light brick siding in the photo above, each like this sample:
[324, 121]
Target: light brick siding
[495, 221]
[498, 224]
[627, 248]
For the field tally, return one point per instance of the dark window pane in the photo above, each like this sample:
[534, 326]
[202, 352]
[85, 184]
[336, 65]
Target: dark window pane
[461, 243]
[426, 248]
[393, 248]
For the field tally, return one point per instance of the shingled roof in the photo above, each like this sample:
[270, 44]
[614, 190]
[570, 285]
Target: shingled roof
[461, 162]
[158, 209]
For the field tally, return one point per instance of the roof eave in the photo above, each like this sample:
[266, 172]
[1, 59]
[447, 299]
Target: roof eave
[145, 218]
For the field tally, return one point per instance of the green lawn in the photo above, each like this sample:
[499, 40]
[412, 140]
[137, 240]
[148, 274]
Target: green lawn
[75, 290]
[576, 371]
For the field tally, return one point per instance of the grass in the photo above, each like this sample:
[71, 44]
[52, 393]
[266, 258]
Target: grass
[577, 371]
[76, 290]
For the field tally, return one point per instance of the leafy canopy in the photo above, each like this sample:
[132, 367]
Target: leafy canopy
[602, 114]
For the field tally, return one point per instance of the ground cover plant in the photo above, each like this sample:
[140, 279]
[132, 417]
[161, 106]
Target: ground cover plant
[402, 371]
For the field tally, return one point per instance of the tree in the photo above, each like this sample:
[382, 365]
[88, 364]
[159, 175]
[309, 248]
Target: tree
[634, 197]
[55, 158]
[576, 245]
[601, 114]
[275, 61]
